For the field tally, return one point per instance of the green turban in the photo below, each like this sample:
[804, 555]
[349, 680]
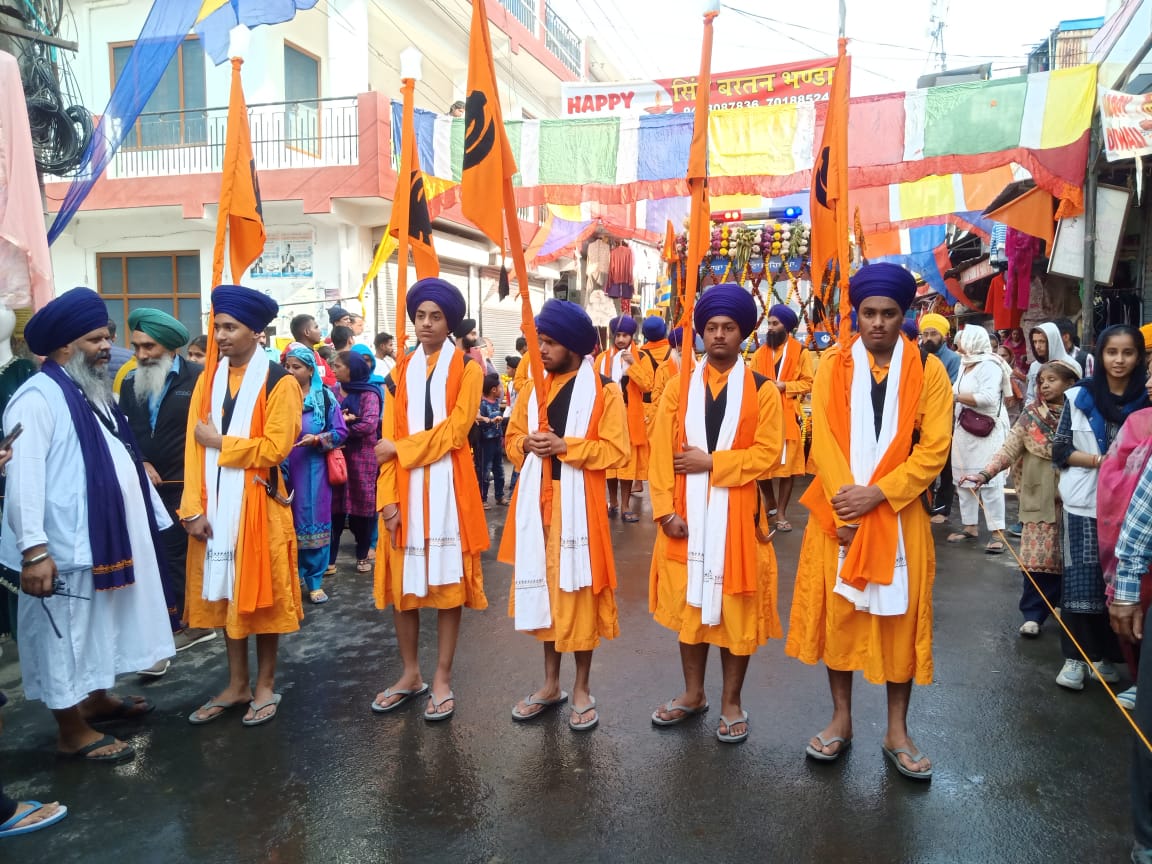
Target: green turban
[160, 326]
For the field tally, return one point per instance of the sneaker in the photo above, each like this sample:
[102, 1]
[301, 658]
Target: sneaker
[1127, 699]
[159, 670]
[190, 636]
[1016, 530]
[1072, 675]
[1107, 672]
[1030, 629]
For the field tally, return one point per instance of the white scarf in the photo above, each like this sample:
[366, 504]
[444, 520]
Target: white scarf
[783, 399]
[226, 485]
[533, 609]
[441, 561]
[612, 365]
[707, 505]
[867, 451]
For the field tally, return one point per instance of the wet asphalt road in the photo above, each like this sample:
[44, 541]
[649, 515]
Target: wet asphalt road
[1025, 771]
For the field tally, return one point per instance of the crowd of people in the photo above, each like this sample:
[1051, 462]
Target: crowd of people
[211, 496]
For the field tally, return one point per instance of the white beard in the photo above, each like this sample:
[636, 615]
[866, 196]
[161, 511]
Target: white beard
[92, 380]
[149, 380]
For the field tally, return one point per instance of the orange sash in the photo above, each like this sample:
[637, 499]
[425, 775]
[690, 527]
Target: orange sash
[595, 496]
[872, 555]
[473, 528]
[764, 362]
[740, 552]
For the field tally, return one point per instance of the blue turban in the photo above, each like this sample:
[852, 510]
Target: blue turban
[676, 337]
[654, 329]
[627, 325]
[568, 324]
[444, 294]
[882, 280]
[785, 316]
[254, 309]
[910, 329]
[64, 320]
[729, 300]
[613, 324]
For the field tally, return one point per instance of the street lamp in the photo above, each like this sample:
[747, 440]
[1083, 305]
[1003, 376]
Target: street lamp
[411, 61]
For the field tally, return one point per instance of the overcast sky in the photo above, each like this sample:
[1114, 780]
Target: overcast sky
[664, 35]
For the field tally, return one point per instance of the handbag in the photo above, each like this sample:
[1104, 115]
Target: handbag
[975, 423]
[337, 467]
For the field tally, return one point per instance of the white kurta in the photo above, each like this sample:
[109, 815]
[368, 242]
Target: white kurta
[113, 632]
[970, 453]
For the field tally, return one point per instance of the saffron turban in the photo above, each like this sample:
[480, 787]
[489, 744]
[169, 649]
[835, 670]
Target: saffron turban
[910, 329]
[464, 328]
[444, 294]
[654, 329]
[882, 280]
[1146, 331]
[785, 316]
[676, 337]
[568, 324]
[626, 324]
[64, 320]
[730, 301]
[933, 321]
[160, 326]
[254, 309]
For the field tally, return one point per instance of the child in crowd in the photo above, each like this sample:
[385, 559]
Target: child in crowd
[1030, 440]
[491, 447]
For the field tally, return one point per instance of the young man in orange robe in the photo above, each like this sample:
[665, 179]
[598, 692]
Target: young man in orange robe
[621, 364]
[788, 365]
[667, 370]
[882, 428]
[242, 572]
[432, 519]
[557, 536]
[713, 576]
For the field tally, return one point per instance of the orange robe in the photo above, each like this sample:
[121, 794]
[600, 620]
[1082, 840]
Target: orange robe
[637, 381]
[653, 355]
[521, 378]
[749, 619]
[579, 618]
[825, 626]
[282, 414]
[797, 381]
[669, 369]
[419, 449]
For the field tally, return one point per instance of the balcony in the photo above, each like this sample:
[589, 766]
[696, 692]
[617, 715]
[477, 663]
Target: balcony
[524, 11]
[561, 41]
[313, 133]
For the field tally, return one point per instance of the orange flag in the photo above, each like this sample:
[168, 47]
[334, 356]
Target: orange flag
[486, 194]
[411, 223]
[241, 215]
[829, 203]
[1030, 213]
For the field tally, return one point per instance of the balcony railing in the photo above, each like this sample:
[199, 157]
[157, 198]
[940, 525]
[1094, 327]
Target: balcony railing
[562, 42]
[524, 11]
[309, 133]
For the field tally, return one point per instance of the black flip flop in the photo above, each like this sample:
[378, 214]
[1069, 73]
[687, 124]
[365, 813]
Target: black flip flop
[81, 755]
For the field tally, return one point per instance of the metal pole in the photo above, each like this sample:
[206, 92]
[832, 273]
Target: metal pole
[1088, 297]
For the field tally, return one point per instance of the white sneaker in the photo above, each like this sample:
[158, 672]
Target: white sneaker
[1030, 629]
[1107, 672]
[1072, 675]
[1127, 699]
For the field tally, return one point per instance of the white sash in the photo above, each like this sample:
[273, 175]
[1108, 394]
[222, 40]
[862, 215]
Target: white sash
[441, 561]
[783, 400]
[707, 505]
[867, 451]
[226, 485]
[533, 608]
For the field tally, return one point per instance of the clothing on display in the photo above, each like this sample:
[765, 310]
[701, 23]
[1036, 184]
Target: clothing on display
[620, 283]
[597, 265]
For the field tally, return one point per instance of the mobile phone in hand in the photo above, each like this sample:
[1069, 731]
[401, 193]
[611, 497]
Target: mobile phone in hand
[6, 443]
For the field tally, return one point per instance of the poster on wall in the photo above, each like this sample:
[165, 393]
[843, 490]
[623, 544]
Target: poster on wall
[804, 81]
[287, 255]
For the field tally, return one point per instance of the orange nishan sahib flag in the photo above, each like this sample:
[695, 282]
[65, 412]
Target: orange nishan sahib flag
[240, 203]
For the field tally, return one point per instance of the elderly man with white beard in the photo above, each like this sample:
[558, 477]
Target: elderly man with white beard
[156, 398]
[89, 555]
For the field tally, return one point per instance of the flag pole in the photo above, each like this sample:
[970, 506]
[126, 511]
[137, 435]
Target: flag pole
[843, 262]
[400, 208]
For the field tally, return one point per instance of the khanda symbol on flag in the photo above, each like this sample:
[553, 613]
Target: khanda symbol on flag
[480, 130]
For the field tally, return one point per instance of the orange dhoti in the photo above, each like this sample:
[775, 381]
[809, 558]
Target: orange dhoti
[388, 582]
[636, 467]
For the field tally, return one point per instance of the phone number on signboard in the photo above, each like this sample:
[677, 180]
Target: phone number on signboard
[775, 100]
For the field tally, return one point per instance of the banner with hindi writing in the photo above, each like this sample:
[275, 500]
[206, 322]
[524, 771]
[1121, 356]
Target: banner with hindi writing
[803, 81]
[1126, 119]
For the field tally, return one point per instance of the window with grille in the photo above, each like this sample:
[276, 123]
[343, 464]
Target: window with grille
[174, 115]
[168, 281]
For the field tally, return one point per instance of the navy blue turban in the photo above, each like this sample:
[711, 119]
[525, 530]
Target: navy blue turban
[676, 337]
[444, 294]
[730, 301]
[626, 324]
[654, 329]
[254, 309]
[64, 320]
[785, 316]
[882, 280]
[910, 330]
[568, 324]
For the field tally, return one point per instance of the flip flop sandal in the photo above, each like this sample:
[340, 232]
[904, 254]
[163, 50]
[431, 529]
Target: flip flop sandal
[821, 756]
[728, 737]
[613, 512]
[9, 829]
[587, 725]
[330, 570]
[407, 696]
[273, 703]
[81, 755]
[436, 715]
[894, 757]
[994, 549]
[960, 537]
[364, 566]
[784, 526]
[318, 598]
[521, 717]
[670, 706]
[208, 706]
[629, 516]
[131, 708]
